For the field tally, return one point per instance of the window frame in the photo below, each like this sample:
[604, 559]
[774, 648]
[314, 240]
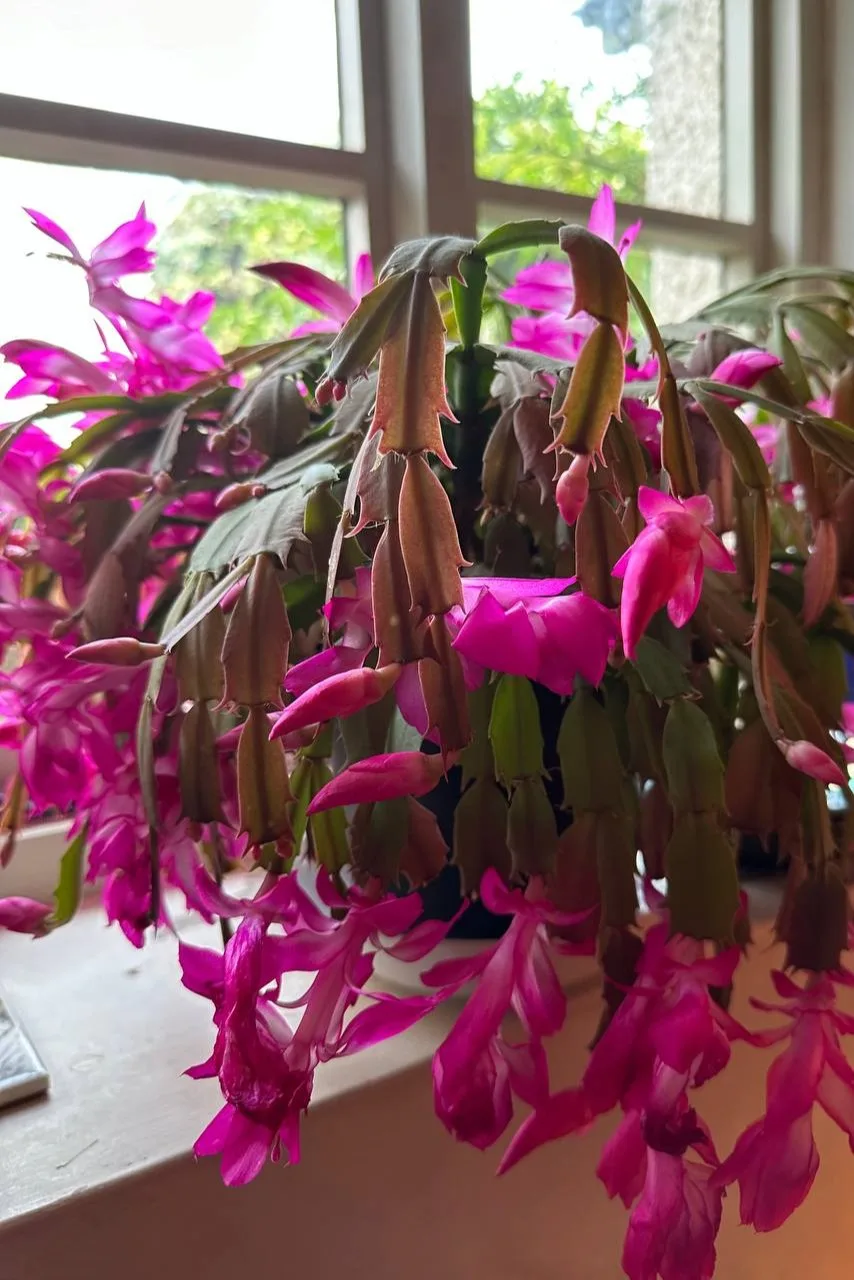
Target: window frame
[414, 123]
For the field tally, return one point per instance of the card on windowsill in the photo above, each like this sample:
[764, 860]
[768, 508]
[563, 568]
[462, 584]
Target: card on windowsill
[22, 1073]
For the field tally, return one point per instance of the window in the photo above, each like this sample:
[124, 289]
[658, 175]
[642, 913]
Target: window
[194, 62]
[319, 130]
[616, 91]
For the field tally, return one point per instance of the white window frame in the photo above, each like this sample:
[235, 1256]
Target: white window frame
[406, 164]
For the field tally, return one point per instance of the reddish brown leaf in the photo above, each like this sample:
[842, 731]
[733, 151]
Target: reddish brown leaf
[598, 277]
[411, 388]
[255, 650]
[428, 539]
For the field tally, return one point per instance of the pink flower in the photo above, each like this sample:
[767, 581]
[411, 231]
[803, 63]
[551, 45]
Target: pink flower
[673, 1227]
[24, 915]
[523, 626]
[476, 1072]
[123, 252]
[551, 334]
[665, 563]
[775, 1160]
[668, 1033]
[53, 371]
[321, 293]
[266, 1067]
[384, 777]
[519, 626]
[547, 287]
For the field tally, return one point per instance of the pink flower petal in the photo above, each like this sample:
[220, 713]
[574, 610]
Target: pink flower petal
[652, 503]
[562, 1114]
[311, 287]
[603, 215]
[363, 276]
[53, 230]
[715, 554]
[686, 596]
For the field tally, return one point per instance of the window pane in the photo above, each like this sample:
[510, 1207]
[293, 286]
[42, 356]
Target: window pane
[200, 62]
[208, 238]
[626, 92]
[678, 284]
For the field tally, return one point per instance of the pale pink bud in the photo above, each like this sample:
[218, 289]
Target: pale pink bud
[572, 488]
[111, 483]
[232, 595]
[807, 758]
[163, 482]
[234, 495]
[24, 915]
[118, 651]
[385, 777]
[342, 694]
[330, 389]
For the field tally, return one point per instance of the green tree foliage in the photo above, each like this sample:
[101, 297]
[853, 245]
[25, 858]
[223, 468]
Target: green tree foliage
[528, 137]
[532, 138]
[222, 231]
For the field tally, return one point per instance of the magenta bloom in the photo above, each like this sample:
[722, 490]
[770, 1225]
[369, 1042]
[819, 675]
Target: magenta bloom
[476, 1072]
[266, 1067]
[53, 371]
[672, 1228]
[664, 565]
[522, 627]
[668, 1033]
[775, 1160]
[124, 252]
[317, 291]
[807, 758]
[745, 368]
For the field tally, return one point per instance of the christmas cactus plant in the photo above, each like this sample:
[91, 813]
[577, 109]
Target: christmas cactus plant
[265, 606]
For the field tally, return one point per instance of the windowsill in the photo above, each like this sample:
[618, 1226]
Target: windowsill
[34, 868]
[99, 1180]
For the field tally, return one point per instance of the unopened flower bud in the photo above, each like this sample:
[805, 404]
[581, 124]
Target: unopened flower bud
[573, 487]
[811, 760]
[118, 651]
[24, 915]
[111, 483]
[234, 495]
[341, 694]
[329, 389]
